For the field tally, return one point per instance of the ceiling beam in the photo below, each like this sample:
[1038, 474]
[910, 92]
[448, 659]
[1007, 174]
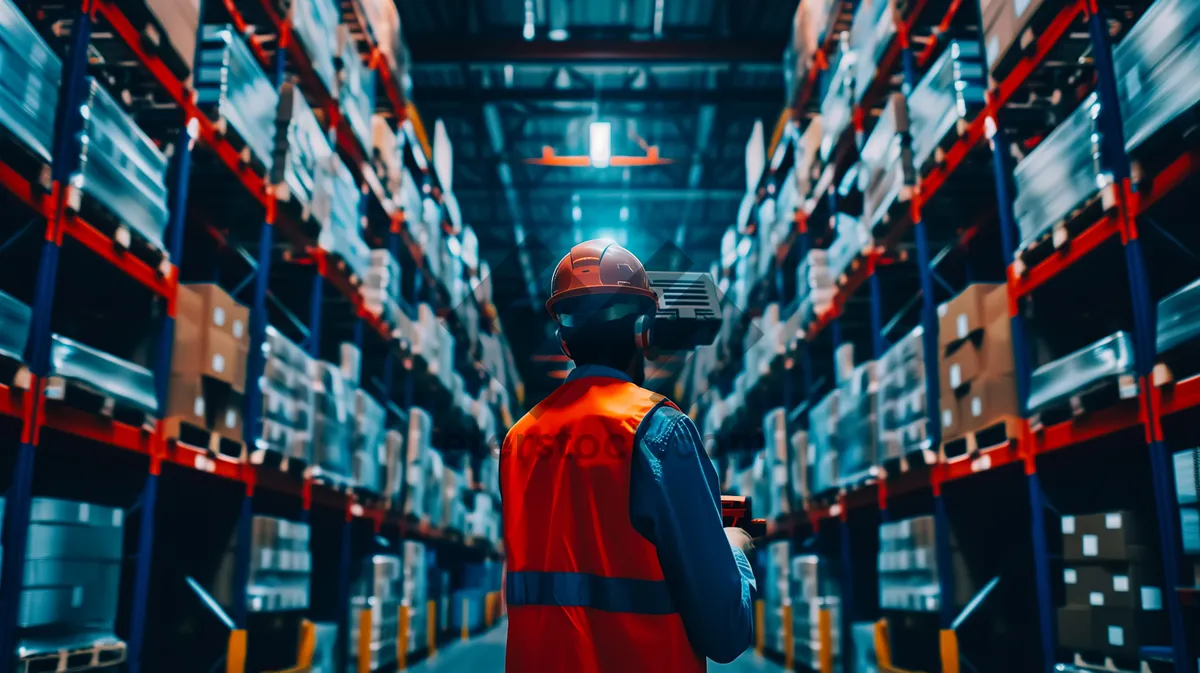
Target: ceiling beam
[430, 51]
[589, 190]
[426, 95]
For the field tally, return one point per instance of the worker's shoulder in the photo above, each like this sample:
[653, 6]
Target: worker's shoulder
[663, 426]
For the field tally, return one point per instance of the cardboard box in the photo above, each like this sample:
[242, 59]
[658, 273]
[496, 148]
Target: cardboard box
[1075, 627]
[950, 416]
[1108, 536]
[1132, 586]
[985, 400]
[208, 352]
[185, 400]
[212, 307]
[227, 420]
[1001, 32]
[984, 353]
[1111, 630]
[971, 310]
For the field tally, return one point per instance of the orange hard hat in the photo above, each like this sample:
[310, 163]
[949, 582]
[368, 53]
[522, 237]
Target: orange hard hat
[598, 267]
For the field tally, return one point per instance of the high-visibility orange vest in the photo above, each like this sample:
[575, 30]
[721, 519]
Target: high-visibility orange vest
[585, 590]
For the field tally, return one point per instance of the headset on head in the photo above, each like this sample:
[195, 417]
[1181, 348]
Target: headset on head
[643, 327]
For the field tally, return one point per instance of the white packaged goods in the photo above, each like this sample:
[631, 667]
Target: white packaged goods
[301, 147]
[356, 87]
[815, 589]
[776, 592]
[873, 29]
[369, 448]
[856, 424]
[280, 567]
[814, 285]
[824, 443]
[908, 565]
[232, 88]
[417, 460]
[886, 172]
[901, 406]
[31, 77]
[385, 155]
[341, 233]
[381, 286]
[837, 107]
[853, 239]
[288, 398]
[777, 456]
[332, 425]
[314, 24]
[380, 590]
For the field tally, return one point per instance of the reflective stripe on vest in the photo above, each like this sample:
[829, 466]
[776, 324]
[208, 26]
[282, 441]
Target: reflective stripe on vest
[580, 590]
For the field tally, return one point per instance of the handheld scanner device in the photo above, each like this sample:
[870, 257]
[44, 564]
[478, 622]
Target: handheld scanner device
[736, 513]
[689, 310]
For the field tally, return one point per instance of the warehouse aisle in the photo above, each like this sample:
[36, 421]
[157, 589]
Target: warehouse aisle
[486, 655]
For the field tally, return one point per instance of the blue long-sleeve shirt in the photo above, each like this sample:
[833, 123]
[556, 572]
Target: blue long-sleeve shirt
[675, 503]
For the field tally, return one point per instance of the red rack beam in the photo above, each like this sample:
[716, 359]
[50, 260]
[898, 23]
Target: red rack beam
[1180, 396]
[162, 284]
[1122, 416]
[1021, 285]
[1152, 191]
[97, 428]
[20, 187]
[1042, 46]
[983, 461]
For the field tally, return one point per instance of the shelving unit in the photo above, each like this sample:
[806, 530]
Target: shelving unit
[148, 466]
[1015, 469]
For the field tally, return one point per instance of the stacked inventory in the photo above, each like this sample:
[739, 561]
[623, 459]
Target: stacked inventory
[453, 510]
[232, 89]
[824, 442]
[816, 590]
[1004, 23]
[125, 383]
[300, 150]
[1059, 176]
[1187, 483]
[800, 468]
[837, 108]
[120, 169]
[871, 34]
[777, 593]
[372, 454]
[887, 174]
[71, 583]
[414, 593]
[378, 590]
[324, 647]
[976, 363]
[381, 286]
[287, 400]
[483, 519]
[1113, 586]
[902, 397]
[945, 101]
[280, 566]
[908, 566]
[852, 238]
[777, 479]
[29, 91]
[862, 636]
[341, 232]
[856, 422]
[418, 462]
[179, 23]
[386, 155]
[315, 25]
[356, 87]
[814, 285]
[208, 365]
[1178, 326]
[332, 416]
[1156, 69]
[1102, 368]
[431, 344]
[382, 21]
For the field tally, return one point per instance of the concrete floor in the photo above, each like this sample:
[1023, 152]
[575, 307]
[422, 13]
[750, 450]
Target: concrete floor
[485, 654]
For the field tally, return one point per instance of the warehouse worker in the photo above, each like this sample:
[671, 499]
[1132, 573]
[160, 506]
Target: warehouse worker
[617, 560]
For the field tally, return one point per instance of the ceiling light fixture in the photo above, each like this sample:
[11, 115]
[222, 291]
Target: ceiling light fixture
[558, 34]
[600, 146]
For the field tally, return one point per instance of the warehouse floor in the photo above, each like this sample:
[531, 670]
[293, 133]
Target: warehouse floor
[485, 654]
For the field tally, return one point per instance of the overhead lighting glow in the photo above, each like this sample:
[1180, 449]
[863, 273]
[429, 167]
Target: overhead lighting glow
[617, 236]
[600, 148]
[576, 213]
[558, 34]
[743, 247]
[624, 213]
[528, 32]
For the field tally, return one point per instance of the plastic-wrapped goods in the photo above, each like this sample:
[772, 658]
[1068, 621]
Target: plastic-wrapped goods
[809, 26]
[288, 398]
[431, 344]
[454, 510]
[280, 567]
[325, 647]
[71, 581]
[331, 424]
[1109, 360]
[824, 443]
[341, 234]
[369, 445]
[382, 22]
[815, 589]
[14, 317]
[232, 88]
[314, 24]
[808, 159]
[871, 34]
[1158, 68]
[1179, 318]
[102, 373]
[800, 467]
[1060, 174]
[862, 638]
[858, 452]
[301, 147]
[814, 285]
[385, 155]
[887, 174]
[778, 457]
[908, 570]
[901, 407]
[853, 239]
[381, 286]
[837, 107]
[946, 100]
[379, 589]
[435, 491]
[120, 167]
[776, 592]
[356, 88]
[29, 83]
[417, 452]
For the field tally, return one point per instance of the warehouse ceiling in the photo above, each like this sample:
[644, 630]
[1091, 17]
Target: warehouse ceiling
[510, 77]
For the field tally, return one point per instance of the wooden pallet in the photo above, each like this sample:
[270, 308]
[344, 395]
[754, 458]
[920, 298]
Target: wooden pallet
[1059, 235]
[98, 656]
[278, 460]
[78, 395]
[1110, 664]
[942, 148]
[23, 161]
[861, 480]
[229, 133]
[124, 237]
[910, 461]
[185, 432]
[1175, 366]
[992, 434]
[1100, 396]
[153, 36]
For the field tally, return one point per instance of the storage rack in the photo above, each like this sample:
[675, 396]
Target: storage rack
[1155, 406]
[36, 419]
